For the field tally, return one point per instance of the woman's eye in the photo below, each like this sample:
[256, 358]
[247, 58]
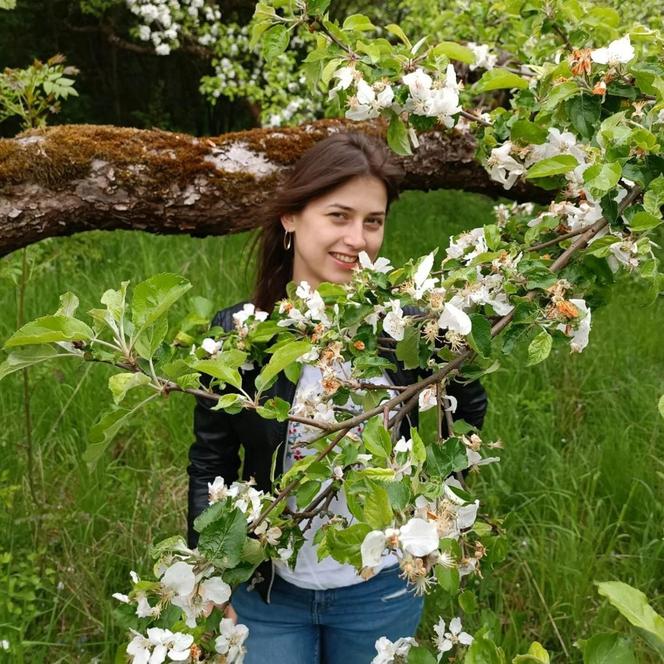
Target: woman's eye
[338, 215]
[376, 221]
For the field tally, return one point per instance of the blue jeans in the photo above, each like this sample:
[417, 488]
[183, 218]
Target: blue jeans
[336, 626]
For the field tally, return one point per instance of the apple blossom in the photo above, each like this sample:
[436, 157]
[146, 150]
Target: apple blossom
[387, 650]
[230, 641]
[418, 537]
[394, 323]
[381, 264]
[504, 168]
[619, 51]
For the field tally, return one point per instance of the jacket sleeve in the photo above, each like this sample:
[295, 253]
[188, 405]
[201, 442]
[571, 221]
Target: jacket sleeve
[471, 399]
[215, 450]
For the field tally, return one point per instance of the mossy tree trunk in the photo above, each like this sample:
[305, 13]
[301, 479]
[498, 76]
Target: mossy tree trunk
[70, 178]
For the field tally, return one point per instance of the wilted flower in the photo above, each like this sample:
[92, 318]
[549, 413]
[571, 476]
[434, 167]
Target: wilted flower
[581, 332]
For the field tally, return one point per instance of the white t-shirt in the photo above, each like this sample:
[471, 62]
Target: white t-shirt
[309, 572]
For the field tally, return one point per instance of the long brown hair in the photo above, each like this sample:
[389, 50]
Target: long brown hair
[325, 166]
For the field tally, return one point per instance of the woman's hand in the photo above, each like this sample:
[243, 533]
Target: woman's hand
[229, 612]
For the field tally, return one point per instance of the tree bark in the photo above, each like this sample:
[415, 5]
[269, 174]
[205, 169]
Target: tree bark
[66, 179]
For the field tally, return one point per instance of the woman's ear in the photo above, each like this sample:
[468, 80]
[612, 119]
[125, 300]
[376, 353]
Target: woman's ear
[288, 223]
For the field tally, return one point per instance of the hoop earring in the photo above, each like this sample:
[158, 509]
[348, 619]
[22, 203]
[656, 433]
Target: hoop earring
[288, 240]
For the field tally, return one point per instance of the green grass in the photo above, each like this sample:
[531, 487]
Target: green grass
[579, 487]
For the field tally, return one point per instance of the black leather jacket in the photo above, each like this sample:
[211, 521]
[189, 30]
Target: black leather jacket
[218, 437]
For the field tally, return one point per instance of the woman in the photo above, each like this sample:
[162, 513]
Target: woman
[331, 207]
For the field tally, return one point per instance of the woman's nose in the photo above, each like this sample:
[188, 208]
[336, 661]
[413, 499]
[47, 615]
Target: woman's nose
[355, 237]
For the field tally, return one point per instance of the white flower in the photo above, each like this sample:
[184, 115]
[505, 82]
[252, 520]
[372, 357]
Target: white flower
[230, 640]
[443, 103]
[367, 104]
[4, 644]
[475, 459]
[558, 143]
[403, 445]
[210, 346]
[121, 598]
[345, 76]
[394, 323]
[159, 644]
[248, 310]
[454, 319]
[143, 608]
[624, 252]
[215, 590]
[381, 264]
[419, 537]
[617, 52]
[387, 650]
[418, 82]
[180, 578]
[163, 49]
[218, 490]
[272, 534]
[483, 58]
[423, 283]
[504, 168]
[445, 641]
[337, 472]
[372, 548]
[427, 398]
[582, 331]
[473, 238]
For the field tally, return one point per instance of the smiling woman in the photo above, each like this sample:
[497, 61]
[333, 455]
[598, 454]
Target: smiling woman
[326, 220]
[331, 207]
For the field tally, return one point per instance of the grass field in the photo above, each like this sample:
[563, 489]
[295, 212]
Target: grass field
[580, 486]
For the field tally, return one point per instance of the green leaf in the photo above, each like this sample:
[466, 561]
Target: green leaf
[484, 651]
[23, 358]
[149, 341]
[653, 199]
[376, 438]
[468, 601]
[222, 541]
[7, 4]
[525, 132]
[121, 383]
[480, 335]
[584, 113]
[539, 348]
[602, 178]
[454, 51]
[231, 403]
[448, 578]
[306, 492]
[536, 655]
[396, 30]
[275, 41]
[407, 350]
[317, 7]
[153, 297]
[443, 459]
[103, 432]
[50, 329]
[68, 305]
[358, 22]
[557, 165]
[644, 221]
[218, 368]
[608, 649]
[281, 358]
[634, 606]
[420, 655]
[344, 545]
[377, 510]
[498, 78]
[397, 136]
[558, 94]
[419, 449]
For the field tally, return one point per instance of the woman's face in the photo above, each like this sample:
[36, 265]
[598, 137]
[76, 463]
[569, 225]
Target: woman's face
[331, 231]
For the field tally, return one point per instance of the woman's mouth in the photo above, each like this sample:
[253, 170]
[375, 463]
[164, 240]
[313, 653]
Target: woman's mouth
[344, 260]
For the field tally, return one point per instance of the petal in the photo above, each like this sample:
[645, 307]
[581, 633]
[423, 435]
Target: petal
[455, 319]
[180, 578]
[215, 590]
[372, 548]
[419, 537]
